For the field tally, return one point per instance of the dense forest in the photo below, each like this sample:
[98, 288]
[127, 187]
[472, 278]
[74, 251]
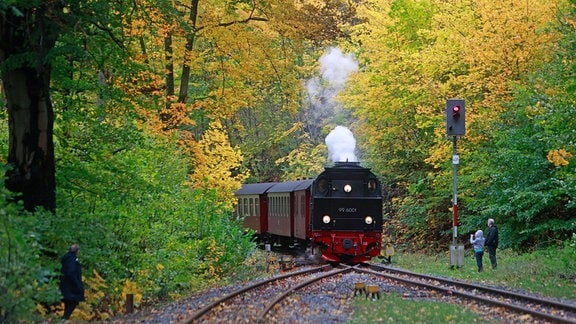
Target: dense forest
[129, 125]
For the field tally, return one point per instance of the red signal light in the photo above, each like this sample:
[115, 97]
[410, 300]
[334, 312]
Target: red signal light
[456, 111]
[455, 116]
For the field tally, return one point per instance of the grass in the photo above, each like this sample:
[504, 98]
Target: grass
[394, 308]
[550, 272]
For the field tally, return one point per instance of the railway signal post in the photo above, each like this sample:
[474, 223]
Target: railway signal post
[455, 127]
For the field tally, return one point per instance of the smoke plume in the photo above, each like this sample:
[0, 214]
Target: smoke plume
[335, 68]
[341, 145]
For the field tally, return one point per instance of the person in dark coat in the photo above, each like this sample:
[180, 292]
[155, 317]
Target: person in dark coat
[492, 242]
[71, 285]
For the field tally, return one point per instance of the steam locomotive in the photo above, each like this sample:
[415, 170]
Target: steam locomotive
[338, 214]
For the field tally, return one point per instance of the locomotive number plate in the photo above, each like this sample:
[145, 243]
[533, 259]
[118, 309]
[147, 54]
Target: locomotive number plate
[347, 210]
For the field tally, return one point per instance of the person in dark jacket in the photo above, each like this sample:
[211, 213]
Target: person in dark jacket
[492, 242]
[71, 285]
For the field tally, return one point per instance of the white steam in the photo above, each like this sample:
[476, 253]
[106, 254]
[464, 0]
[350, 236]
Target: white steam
[341, 145]
[335, 67]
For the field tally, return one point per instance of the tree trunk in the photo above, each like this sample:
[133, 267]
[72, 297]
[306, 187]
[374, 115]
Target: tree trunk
[185, 79]
[25, 39]
[169, 69]
[31, 155]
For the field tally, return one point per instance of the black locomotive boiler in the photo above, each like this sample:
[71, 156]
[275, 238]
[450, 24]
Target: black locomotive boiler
[338, 214]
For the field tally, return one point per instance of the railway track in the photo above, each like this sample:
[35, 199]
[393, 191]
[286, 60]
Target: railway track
[269, 300]
[254, 302]
[326, 294]
[538, 308]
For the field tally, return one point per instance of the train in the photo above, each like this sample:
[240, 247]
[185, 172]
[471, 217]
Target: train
[338, 214]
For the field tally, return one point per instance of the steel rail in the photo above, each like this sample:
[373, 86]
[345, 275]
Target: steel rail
[449, 291]
[201, 312]
[530, 298]
[308, 282]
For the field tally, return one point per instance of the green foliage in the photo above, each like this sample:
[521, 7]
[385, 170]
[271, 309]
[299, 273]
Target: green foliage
[122, 195]
[410, 18]
[265, 134]
[527, 170]
[123, 192]
[27, 277]
[304, 162]
[134, 215]
[139, 227]
[516, 158]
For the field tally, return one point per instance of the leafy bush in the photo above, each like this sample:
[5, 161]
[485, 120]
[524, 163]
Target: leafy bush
[143, 230]
[26, 280]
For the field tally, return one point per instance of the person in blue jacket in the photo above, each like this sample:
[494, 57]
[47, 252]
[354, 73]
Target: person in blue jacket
[71, 285]
[477, 240]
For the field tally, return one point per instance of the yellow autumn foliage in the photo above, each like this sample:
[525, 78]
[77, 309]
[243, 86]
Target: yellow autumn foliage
[473, 50]
[217, 164]
[559, 157]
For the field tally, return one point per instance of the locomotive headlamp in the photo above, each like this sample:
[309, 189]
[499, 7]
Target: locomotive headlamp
[368, 220]
[326, 219]
[347, 188]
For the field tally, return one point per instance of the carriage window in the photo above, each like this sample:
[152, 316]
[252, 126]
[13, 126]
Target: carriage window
[297, 211]
[245, 207]
[278, 206]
